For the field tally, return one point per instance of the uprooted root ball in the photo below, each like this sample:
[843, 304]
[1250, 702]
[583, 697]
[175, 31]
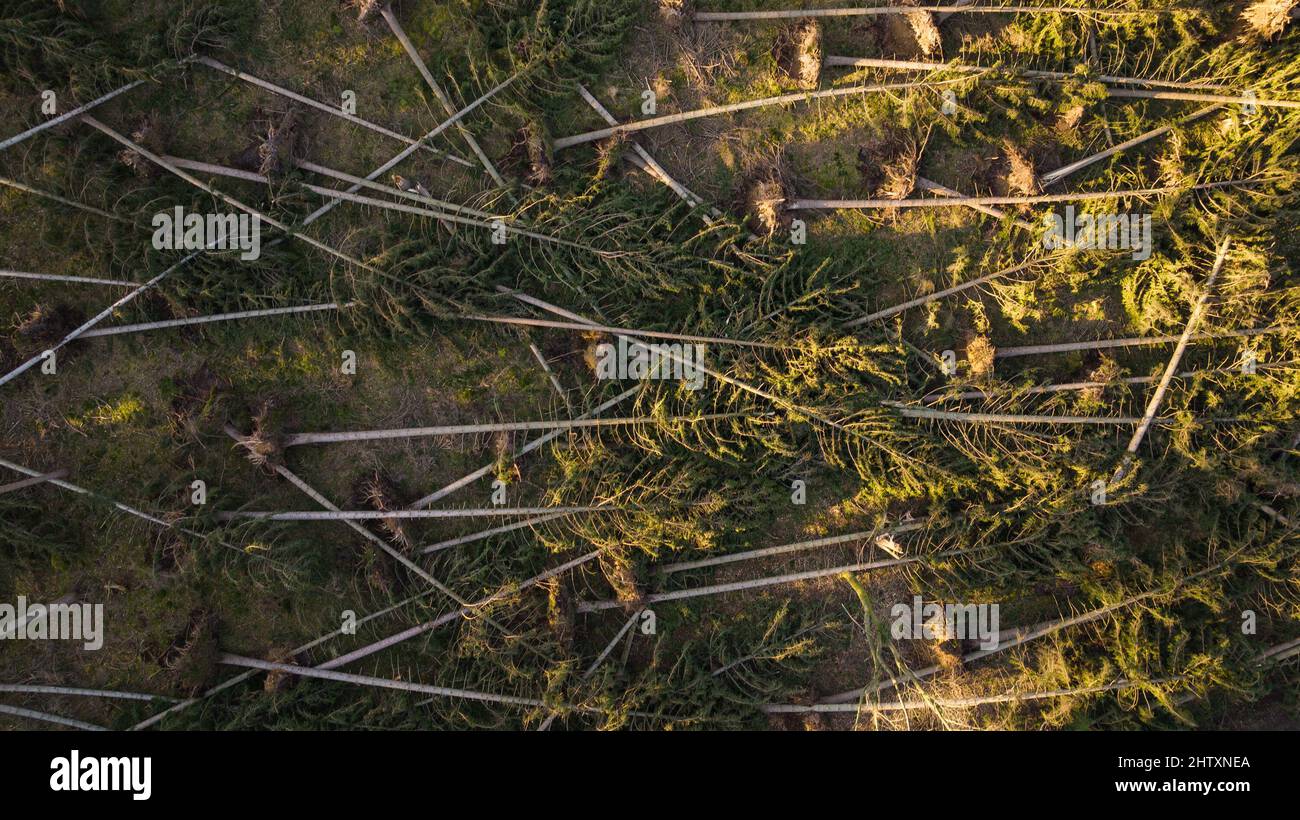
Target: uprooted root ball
[981, 355]
[192, 657]
[560, 613]
[367, 10]
[889, 165]
[1105, 373]
[1265, 19]
[380, 494]
[798, 53]
[608, 154]
[1069, 119]
[277, 681]
[147, 135]
[621, 574]
[944, 642]
[532, 150]
[46, 326]
[1021, 177]
[168, 553]
[379, 572]
[765, 206]
[674, 12]
[912, 34]
[264, 444]
[277, 153]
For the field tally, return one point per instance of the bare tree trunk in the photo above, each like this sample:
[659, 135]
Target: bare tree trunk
[126, 508]
[340, 196]
[62, 118]
[748, 388]
[243, 676]
[377, 515]
[414, 197]
[379, 683]
[72, 691]
[790, 14]
[219, 170]
[784, 99]
[94, 320]
[45, 717]
[1004, 418]
[217, 317]
[464, 612]
[651, 166]
[955, 703]
[550, 375]
[358, 182]
[226, 198]
[54, 277]
[536, 443]
[332, 512]
[1153, 406]
[1274, 514]
[504, 427]
[988, 277]
[396, 555]
[1137, 341]
[653, 334]
[591, 670]
[479, 536]
[939, 17]
[585, 607]
[90, 209]
[32, 482]
[1024, 637]
[784, 549]
[840, 703]
[391, 19]
[1138, 94]
[942, 190]
[328, 109]
[890, 204]
[1053, 177]
[939, 395]
[411, 149]
[1109, 79]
